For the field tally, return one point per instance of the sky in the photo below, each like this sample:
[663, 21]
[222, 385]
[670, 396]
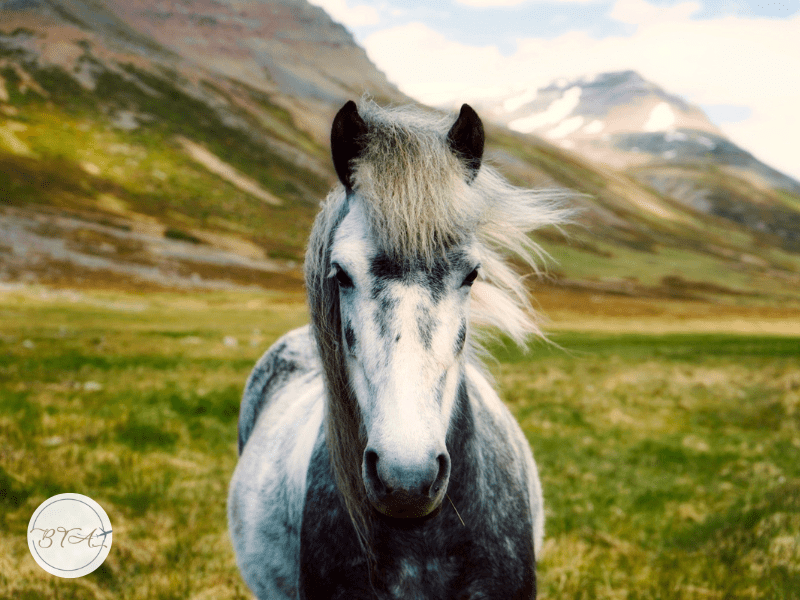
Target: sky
[739, 60]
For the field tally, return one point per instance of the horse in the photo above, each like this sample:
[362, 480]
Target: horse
[375, 458]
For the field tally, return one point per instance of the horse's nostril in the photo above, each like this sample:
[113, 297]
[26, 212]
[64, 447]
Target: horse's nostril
[443, 460]
[371, 468]
[444, 463]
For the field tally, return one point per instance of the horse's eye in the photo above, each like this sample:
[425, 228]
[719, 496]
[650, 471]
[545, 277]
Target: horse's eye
[343, 278]
[470, 279]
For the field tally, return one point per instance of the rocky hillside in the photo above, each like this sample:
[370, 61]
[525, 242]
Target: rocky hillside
[286, 48]
[165, 144]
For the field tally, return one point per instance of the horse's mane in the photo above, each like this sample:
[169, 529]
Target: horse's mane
[416, 195]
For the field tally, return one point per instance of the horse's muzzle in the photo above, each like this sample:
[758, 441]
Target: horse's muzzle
[405, 490]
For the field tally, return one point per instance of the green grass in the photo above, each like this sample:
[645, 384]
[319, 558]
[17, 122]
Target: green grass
[669, 462]
[792, 201]
[133, 401]
[641, 347]
[180, 235]
[611, 261]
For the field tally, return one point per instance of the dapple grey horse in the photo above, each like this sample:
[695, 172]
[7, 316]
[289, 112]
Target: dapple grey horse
[376, 460]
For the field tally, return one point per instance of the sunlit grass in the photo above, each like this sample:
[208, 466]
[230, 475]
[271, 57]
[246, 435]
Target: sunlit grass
[82, 163]
[669, 462]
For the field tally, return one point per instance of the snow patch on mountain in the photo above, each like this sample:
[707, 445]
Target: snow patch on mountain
[517, 102]
[594, 127]
[556, 112]
[706, 142]
[662, 118]
[675, 136]
[566, 127]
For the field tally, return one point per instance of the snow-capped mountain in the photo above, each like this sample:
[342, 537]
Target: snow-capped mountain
[596, 107]
[623, 120]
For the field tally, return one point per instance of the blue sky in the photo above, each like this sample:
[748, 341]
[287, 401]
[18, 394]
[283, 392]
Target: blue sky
[503, 25]
[738, 59]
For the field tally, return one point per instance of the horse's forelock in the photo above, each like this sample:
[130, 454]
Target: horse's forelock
[413, 187]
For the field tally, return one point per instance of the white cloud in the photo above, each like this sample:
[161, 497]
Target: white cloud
[356, 16]
[641, 12]
[428, 66]
[728, 60]
[520, 100]
[498, 3]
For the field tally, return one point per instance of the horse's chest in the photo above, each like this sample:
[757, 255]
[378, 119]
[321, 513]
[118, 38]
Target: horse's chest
[422, 566]
[414, 575]
[441, 560]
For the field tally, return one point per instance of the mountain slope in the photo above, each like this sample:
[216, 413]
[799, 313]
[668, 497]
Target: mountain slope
[156, 144]
[632, 240]
[287, 49]
[108, 115]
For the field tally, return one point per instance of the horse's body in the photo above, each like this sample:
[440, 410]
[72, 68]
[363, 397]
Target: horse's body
[283, 487]
[376, 460]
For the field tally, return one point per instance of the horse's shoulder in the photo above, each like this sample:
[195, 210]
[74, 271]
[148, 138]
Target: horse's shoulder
[291, 356]
[498, 428]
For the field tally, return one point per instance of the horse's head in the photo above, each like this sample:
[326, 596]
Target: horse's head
[403, 276]
[389, 266]
[404, 328]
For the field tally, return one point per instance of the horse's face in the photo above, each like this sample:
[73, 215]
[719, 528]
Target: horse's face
[404, 329]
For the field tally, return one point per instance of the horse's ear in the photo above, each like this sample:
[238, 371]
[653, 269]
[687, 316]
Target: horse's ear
[466, 139]
[347, 141]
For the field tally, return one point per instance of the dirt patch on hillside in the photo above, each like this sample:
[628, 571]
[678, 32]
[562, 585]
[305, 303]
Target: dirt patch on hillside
[217, 166]
[68, 249]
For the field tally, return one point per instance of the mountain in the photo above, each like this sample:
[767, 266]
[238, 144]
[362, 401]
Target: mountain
[171, 144]
[287, 49]
[623, 121]
[167, 123]
[595, 108]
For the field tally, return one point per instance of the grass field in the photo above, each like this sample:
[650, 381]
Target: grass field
[670, 461]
